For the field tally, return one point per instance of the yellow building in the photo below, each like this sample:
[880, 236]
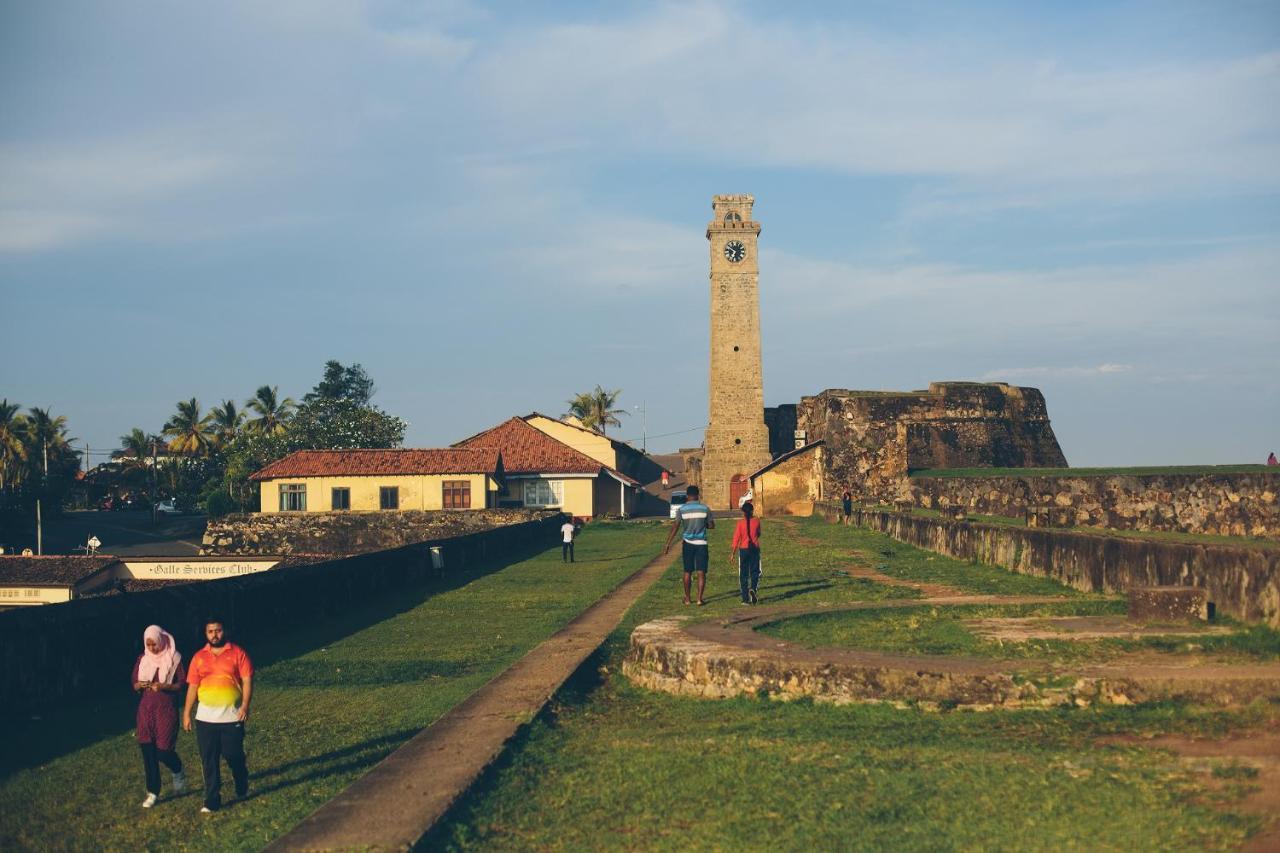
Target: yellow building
[541, 470]
[373, 480]
[789, 484]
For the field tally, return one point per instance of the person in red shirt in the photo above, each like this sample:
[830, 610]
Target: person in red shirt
[220, 678]
[746, 547]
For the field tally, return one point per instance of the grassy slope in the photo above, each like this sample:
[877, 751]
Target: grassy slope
[322, 716]
[619, 767]
[941, 630]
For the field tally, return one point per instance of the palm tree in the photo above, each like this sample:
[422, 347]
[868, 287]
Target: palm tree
[594, 409]
[227, 420]
[43, 429]
[188, 430]
[273, 412]
[13, 444]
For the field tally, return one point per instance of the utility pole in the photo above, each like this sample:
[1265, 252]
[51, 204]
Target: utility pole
[44, 482]
[152, 497]
[644, 426]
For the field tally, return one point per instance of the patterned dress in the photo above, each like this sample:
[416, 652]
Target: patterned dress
[158, 712]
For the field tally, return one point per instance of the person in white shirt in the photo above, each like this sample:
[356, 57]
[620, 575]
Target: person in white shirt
[566, 547]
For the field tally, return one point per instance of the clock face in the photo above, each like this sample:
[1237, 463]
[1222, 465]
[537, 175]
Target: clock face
[734, 251]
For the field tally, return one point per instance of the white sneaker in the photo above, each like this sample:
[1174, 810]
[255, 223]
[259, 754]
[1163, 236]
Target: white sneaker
[149, 801]
[206, 810]
[179, 782]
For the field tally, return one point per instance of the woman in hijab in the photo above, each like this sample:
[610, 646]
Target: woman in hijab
[158, 676]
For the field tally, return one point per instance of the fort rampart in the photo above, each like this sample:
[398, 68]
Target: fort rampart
[1223, 504]
[348, 532]
[1242, 582]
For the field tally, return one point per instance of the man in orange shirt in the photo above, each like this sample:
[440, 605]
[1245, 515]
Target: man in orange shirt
[220, 678]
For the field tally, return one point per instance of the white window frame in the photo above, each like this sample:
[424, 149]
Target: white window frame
[536, 492]
[290, 490]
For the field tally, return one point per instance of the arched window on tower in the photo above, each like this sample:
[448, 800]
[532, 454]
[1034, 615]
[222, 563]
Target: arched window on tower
[732, 216]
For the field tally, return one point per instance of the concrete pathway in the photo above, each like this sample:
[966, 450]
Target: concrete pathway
[397, 802]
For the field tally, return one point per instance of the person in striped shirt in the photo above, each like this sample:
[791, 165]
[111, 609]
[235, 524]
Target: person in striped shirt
[693, 520]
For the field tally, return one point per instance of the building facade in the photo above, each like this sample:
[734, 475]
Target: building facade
[736, 440]
[381, 480]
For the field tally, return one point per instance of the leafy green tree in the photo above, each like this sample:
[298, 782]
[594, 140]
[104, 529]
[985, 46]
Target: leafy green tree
[50, 463]
[188, 430]
[273, 412]
[352, 384]
[595, 409]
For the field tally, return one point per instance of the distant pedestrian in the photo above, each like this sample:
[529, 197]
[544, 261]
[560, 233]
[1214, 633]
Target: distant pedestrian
[666, 478]
[746, 547]
[158, 675]
[846, 506]
[566, 547]
[1271, 458]
[221, 679]
[693, 520]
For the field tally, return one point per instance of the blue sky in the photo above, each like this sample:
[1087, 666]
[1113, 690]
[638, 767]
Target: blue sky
[492, 207]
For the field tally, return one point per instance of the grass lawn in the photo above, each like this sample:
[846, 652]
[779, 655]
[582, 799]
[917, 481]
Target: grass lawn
[1148, 471]
[327, 705]
[941, 631]
[618, 767]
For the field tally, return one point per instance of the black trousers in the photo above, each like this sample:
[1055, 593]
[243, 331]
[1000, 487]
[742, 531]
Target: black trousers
[152, 758]
[219, 741]
[566, 552]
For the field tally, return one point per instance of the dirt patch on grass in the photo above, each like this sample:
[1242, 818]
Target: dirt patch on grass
[1022, 628]
[866, 571]
[1253, 755]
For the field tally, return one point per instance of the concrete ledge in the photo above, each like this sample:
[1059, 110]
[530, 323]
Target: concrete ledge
[725, 658]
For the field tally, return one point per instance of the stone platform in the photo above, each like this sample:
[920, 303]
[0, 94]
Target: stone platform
[728, 657]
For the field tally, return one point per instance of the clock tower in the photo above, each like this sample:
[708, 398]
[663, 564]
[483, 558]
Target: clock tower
[737, 441]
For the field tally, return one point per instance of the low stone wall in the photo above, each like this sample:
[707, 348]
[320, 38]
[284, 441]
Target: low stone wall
[83, 650]
[1242, 582]
[1224, 504]
[348, 532]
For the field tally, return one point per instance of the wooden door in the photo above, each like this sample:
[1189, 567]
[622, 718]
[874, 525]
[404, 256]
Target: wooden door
[738, 487]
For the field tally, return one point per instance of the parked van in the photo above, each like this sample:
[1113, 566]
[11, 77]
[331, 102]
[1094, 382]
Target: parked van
[677, 498]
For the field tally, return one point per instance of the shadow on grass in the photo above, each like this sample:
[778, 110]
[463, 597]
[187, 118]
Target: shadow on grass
[36, 741]
[575, 693]
[767, 596]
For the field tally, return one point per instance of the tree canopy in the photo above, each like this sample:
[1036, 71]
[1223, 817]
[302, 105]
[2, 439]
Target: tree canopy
[594, 409]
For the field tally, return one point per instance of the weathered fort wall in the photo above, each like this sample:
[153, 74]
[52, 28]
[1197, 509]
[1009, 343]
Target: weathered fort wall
[1225, 504]
[874, 438]
[81, 651]
[1242, 582]
[348, 532]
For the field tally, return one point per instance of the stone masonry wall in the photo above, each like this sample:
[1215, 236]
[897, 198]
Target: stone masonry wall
[874, 438]
[1224, 504]
[1242, 582]
[348, 532]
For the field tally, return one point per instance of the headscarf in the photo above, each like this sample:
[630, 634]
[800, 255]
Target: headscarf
[161, 665]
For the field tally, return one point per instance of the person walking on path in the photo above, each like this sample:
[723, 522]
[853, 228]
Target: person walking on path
[746, 547]
[566, 547]
[158, 675]
[693, 519]
[846, 506]
[221, 679]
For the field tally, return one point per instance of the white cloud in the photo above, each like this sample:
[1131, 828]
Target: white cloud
[1056, 372]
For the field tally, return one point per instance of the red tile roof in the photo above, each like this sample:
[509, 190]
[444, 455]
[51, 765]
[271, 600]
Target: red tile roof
[355, 463]
[529, 450]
